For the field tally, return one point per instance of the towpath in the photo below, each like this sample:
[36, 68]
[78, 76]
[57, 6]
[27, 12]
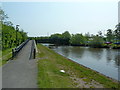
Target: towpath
[21, 72]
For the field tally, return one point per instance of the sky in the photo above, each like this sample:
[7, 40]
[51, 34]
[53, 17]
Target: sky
[119, 12]
[46, 18]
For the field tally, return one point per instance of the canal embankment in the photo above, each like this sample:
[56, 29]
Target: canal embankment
[75, 75]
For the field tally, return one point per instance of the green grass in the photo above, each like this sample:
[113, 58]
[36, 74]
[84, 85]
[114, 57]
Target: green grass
[49, 75]
[0, 57]
[6, 55]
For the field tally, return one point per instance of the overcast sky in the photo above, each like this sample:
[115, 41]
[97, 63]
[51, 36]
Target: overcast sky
[46, 18]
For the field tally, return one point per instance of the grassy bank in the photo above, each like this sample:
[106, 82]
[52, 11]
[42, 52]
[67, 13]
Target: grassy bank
[5, 56]
[75, 76]
[0, 57]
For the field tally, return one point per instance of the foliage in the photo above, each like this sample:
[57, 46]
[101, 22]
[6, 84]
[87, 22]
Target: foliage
[9, 33]
[96, 41]
[9, 36]
[66, 37]
[3, 16]
[41, 39]
[56, 38]
[77, 39]
[110, 35]
[117, 33]
[87, 36]
[60, 39]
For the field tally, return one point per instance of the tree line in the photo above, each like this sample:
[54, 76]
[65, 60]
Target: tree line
[10, 37]
[99, 40]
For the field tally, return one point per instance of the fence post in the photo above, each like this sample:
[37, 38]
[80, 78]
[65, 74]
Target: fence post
[34, 53]
[13, 53]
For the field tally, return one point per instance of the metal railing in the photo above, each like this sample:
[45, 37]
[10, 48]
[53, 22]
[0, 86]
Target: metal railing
[16, 50]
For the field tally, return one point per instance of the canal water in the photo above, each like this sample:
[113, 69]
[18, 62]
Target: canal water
[105, 61]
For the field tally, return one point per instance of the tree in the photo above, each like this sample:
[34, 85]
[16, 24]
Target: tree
[23, 34]
[60, 39]
[3, 16]
[87, 35]
[8, 23]
[56, 38]
[44, 39]
[9, 33]
[66, 37]
[100, 33]
[117, 32]
[110, 35]
[97, 41]
[78, 39]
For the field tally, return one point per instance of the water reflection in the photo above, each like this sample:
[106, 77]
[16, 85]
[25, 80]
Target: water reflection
[78, 52]
[113, 56]
[96, 53]
[70, 51]
[64, 50]
[117, 58]
[105, 61]
[109, 55]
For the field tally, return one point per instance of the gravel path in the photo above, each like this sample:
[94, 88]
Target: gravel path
[21, 72]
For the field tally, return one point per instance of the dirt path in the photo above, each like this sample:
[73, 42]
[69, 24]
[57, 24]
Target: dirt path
[22, 72]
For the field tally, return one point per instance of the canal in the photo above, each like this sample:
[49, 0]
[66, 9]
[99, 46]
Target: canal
[105, 61]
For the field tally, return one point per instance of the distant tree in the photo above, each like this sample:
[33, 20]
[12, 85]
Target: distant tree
[87, 36]
[66, 37]
[77, 39]
[60, 39]
[3, 16]
[43, 39]
[100, 33]
[23, 35]
[117, 32]
[110, 35]
[8, 23]
[56, 38]
[97, 41]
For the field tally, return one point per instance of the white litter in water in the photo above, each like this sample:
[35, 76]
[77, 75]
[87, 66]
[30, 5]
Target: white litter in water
[62, 71]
